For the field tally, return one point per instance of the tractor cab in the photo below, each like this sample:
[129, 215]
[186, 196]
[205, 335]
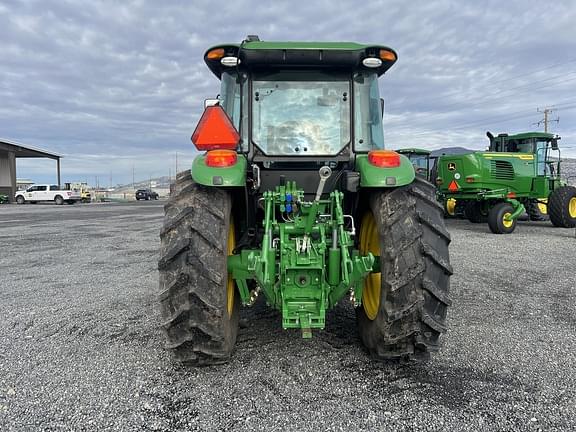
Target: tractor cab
[420, 159]
[298, 106]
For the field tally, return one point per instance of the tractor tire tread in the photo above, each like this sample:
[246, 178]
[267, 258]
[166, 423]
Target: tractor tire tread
[558, 207]
[415, 275]
[193, 274]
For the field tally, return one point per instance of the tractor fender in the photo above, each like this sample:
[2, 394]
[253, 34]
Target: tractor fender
[231, 176]
[376, 177]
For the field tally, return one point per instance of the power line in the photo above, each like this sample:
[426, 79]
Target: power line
[484, 121]
[546, 119]
[493, 83]
[506, 96]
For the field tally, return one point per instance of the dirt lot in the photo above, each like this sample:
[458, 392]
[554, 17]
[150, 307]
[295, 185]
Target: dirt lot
[80, 348]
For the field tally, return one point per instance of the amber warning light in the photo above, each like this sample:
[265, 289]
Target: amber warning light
[215, 131]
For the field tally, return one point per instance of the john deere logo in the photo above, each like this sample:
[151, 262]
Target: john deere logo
[451, 166]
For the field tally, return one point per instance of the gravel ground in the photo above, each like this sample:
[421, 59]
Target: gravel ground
[80, 348]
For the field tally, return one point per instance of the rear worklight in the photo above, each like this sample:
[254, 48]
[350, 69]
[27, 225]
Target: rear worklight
[215, 130]
[384, 158]
[221, 158]
[470, 179]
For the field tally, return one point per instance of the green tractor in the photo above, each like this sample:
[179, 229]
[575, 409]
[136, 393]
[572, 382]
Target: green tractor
[420, 160]
[519, 173]
[4, 199]
[294, 199]
[426, 166]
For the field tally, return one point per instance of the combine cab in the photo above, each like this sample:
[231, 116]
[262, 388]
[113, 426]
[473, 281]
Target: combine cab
[294, 199]
[518, 173]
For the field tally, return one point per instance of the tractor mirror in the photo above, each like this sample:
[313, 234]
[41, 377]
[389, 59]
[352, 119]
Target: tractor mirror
[382, 107]
[554, 144]
[211, 102]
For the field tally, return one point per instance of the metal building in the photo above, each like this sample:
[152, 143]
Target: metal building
[9, 152]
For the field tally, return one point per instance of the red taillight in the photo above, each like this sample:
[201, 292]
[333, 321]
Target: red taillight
[439, 181]
[221, 158]
[215, 130]
[511, 195]
[69, 193]
[470, 179]
[453, 186]
[384, 158]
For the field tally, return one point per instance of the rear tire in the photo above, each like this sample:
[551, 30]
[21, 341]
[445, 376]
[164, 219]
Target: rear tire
[199, 320]
[562, 207]
[415, 272]
[58, 200]
[496, 220]
[475, 212]
[534, 212]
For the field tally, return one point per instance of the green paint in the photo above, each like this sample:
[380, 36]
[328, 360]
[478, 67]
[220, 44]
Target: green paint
[274, 54]
[219, 177]
[300, 255]
[303, 270]
[372, 176]
[516, 169]
[298, 45]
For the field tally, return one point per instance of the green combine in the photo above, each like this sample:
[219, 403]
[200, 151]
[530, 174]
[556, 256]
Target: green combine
[295, 200]
[518, 173]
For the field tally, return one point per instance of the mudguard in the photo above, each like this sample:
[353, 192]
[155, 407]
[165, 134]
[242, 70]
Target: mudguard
[373, 176]
[234, 175]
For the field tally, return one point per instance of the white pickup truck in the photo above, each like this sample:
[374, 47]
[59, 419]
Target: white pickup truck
[44, 192]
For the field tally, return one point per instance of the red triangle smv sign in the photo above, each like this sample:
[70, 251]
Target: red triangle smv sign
[453, 186]
[215, 130]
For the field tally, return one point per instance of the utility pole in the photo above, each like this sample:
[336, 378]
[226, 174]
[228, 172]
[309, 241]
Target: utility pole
[176, 163]
[546, 119]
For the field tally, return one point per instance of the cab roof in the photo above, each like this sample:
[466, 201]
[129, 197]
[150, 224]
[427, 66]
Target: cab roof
[316, 55]
[414, 150]
[525, 135]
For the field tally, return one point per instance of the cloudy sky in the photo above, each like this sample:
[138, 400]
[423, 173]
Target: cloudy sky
[119, 86]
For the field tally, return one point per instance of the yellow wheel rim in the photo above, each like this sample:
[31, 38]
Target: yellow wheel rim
[231, 285]
[451, 206]
[543, 206]
[370, 242]
[507, 223]
[572, 207]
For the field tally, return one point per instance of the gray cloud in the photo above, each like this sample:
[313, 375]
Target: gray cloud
[114, 85]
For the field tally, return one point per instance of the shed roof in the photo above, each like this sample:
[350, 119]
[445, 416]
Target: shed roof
[25, 150]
